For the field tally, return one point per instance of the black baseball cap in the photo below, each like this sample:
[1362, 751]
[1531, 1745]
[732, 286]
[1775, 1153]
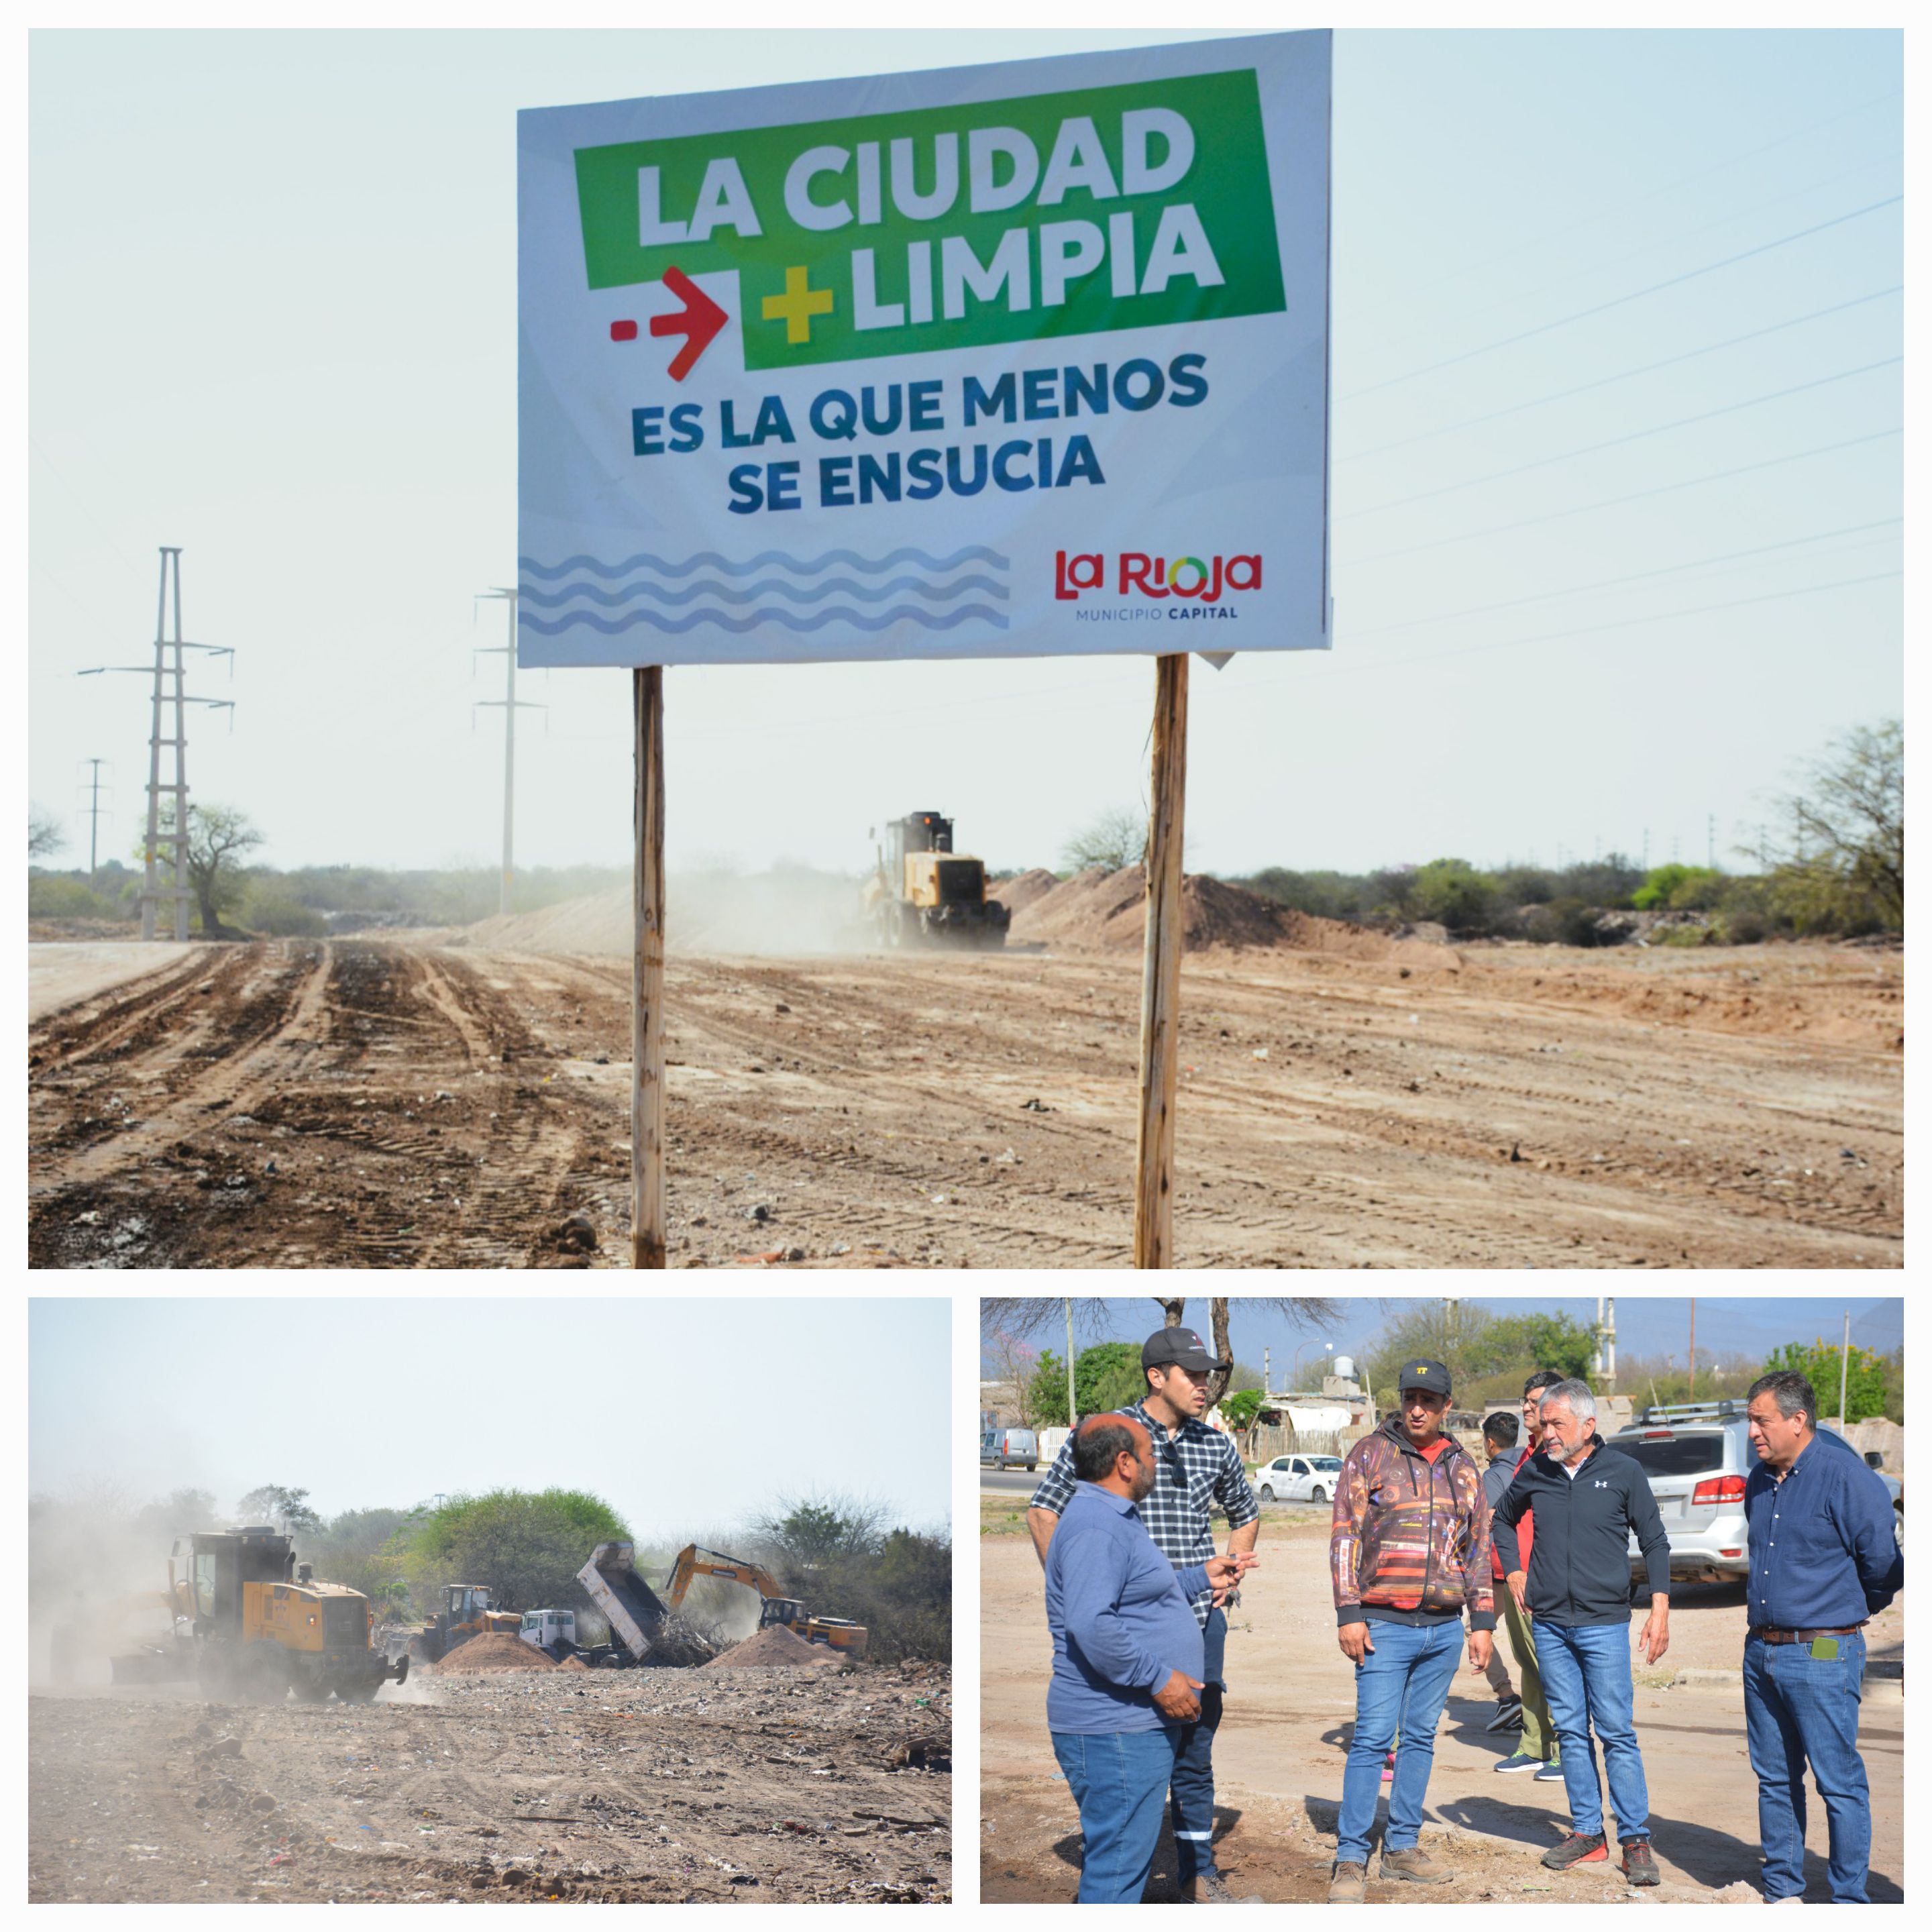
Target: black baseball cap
[1432, 1376]
[1177, 1347]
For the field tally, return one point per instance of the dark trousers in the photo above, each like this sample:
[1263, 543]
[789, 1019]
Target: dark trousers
[1191, 1792]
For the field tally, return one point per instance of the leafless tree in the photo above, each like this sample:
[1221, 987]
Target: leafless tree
[44, 836]
[1846, 850]
[218, 836]
[1117, 837]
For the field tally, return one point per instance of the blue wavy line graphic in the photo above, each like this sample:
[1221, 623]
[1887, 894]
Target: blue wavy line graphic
[799, 593]
[859, 621]
[548, 573]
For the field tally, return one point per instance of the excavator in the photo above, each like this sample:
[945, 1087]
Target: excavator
[261, 1626]
[840, 1633]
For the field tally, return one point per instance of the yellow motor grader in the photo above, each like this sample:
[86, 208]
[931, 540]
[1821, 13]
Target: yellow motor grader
[923, 892]
[261, 1626]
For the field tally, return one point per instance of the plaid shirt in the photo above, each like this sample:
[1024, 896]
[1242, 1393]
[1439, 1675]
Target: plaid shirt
[1195, 1467]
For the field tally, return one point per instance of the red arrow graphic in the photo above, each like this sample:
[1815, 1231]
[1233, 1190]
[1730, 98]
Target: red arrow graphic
[697, 321]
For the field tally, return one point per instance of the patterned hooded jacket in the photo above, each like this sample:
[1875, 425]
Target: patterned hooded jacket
[1410, 1536]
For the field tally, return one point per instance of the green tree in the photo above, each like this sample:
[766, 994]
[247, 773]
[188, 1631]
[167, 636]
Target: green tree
[1046, 1393]
[823, 1528]
[1538, 1342]
[1240, 1409]
[1818, 1363]
[1452, 892]
[1108, 1376]
[1841, 865]
[527, 1545]
[359, 1548]
[290, 1508]
[217, 837]
[1674, 888]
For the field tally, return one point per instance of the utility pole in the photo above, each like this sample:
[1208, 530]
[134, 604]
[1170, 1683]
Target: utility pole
[1072, 1413]
[1267, 1371]
[510, 704]
[1710, 840]
[1844, 1367]
[1690, 1394]
[180, 892]
[92, 785]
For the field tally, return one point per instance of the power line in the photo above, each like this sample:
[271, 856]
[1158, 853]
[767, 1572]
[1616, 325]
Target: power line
[1616, 441]
[1625, 623]
[1668, 188]
[1635, 295]
[1635, 496]
[1631, 577]
[1652, 247]
[1623, 375]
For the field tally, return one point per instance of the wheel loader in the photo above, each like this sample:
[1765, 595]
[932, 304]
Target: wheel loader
[924, 891]
[263, 1626]
[466, 1612]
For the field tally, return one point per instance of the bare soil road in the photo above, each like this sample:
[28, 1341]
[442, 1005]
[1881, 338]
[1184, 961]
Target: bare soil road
[1279, 1753]
[632, 1786]
[390, 1103]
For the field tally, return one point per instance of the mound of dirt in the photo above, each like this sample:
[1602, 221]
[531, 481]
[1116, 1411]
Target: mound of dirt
[1100, 911]
[496, 1650]
[570, 1662]
[777, 1648]
[1019, 892]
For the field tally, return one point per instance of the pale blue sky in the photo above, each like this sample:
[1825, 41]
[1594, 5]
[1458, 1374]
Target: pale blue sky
[273, 311]
[1729, 1327]
[686, 1415]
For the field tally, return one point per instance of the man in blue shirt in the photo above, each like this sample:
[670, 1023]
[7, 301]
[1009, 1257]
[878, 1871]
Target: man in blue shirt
[1127, 1656]
[1823, 1558]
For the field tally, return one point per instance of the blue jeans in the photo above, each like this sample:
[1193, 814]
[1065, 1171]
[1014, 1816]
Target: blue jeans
[1192, 1803]
[1586, 1676]
[1799, 1706]
[1400, 1686]
[1118, 1779]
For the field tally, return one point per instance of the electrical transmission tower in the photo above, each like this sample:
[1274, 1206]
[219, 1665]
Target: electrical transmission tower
[510, 704]
[181, 891]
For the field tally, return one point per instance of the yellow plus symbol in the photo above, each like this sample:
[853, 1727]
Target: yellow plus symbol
[798, 303]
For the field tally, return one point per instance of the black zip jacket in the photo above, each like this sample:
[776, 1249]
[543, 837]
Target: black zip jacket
[1579, 1569]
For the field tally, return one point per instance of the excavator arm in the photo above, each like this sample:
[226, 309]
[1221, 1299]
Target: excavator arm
[695, 1561]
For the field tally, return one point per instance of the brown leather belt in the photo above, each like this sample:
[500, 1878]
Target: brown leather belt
[1770, 1635]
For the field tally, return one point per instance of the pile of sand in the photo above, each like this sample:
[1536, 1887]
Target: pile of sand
[776, 1648]
[1019, 891]
[496, 1650]
[1100, 911]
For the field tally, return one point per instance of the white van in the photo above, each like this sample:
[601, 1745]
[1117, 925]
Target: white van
[1009, 1448]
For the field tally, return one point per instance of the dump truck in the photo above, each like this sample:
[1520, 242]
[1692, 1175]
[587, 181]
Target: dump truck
[261, 1626]
[921, 891]
[774, 1606]
[632, 1609]
[468, 1610]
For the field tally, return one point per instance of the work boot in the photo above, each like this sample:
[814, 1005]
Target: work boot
[1580, 1848]
[1348, 1883]
[1211, 1888]
[1639, 1866]
[1413, 1863]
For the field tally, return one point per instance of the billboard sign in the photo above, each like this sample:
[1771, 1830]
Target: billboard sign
[1021, 360]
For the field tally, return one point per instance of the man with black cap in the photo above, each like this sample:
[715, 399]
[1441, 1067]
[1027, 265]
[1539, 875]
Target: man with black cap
[1195, 1469]
[1408, 1552]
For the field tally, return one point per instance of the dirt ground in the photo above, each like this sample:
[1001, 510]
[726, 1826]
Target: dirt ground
[632, 1786]
[1279, 1752]
[395, 1103]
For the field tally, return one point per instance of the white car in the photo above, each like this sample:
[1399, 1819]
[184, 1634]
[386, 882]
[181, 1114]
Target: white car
[1297, 1479]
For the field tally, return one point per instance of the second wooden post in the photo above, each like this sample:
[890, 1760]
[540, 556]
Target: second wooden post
[1160, 981]
[647, 975]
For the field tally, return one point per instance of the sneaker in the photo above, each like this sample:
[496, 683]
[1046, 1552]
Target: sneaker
[1211, 1888]
[1550, 1774]
[1580, 1848]
[1639, 1866]
[1413, 1863]
[1508, 1718]
[1348, 1883]
[1518, 1761]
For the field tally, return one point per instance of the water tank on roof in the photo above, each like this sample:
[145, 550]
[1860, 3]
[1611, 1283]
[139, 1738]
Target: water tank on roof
[1345, 1367]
